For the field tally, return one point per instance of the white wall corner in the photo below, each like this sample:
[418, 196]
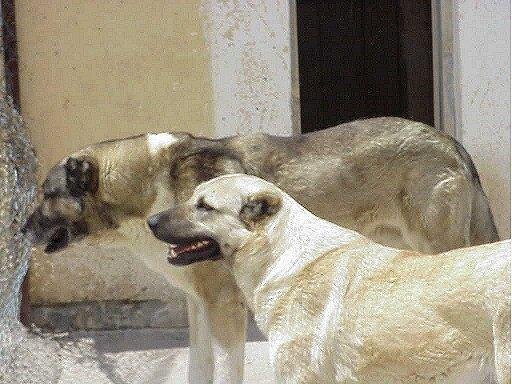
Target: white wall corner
[442, 52]
[253, 50]
[472, 89]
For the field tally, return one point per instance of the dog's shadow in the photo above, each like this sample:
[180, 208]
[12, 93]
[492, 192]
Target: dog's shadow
[130, 356]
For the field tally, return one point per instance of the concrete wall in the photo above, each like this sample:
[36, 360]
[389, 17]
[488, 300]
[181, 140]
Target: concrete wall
[96, 70]
[481, 59]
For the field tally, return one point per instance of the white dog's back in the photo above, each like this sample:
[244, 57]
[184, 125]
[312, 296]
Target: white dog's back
[364, 313]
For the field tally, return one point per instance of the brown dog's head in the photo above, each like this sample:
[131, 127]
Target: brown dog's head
[219, 218]
[67, 197]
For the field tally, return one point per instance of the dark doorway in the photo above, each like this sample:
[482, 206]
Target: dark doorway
[364, 58]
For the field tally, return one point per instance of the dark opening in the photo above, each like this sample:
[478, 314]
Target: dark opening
[364, 58]
[10, 51]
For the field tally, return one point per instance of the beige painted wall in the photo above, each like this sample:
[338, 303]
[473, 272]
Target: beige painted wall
[105, 69]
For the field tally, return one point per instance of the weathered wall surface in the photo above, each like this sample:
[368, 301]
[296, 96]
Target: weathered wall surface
[24, 358]
[96, 70]
[254, 66]
[482, 96]
[17, 189]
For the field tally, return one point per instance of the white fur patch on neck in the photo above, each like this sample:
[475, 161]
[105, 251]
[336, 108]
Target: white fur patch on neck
[159, 141]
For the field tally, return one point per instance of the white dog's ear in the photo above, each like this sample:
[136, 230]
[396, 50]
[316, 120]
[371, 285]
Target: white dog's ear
[260, 206]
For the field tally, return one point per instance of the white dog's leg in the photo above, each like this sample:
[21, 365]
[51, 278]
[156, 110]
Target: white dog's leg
[200, 367]
[221, 316]
[217, 340]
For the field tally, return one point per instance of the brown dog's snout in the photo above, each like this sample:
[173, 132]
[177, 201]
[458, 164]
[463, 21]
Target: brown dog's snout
[31, 225]
[154, 220]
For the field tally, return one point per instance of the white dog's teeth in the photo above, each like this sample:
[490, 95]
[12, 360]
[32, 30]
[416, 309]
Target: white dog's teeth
[176, 249]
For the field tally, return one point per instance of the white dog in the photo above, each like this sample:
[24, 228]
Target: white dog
[339, 308]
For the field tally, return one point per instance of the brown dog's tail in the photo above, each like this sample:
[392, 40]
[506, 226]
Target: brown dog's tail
[482, 227]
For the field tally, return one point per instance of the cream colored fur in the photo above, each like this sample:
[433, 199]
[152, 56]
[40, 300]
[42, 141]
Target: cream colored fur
[339, 308]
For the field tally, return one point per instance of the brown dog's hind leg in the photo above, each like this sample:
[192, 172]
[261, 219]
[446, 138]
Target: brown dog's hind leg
[437, 211]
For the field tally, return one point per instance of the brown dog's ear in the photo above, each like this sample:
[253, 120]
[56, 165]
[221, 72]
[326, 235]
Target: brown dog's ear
[260, 206]
[81, 176]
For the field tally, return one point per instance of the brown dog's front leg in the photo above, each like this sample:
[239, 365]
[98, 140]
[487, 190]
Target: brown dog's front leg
[221, 314]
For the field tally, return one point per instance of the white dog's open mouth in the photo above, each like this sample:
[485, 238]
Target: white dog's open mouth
[193, 250]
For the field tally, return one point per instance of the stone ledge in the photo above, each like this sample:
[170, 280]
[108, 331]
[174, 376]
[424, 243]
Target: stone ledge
[108, 315]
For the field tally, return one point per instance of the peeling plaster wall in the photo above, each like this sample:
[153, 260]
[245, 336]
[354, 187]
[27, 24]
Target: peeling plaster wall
[254, 70]
[482, 96]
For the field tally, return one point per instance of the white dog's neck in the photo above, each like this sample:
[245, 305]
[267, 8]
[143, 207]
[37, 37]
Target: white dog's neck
[264, 261]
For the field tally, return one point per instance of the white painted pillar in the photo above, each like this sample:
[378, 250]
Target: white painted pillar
[442, 52]
[482, 97]
[254, 65]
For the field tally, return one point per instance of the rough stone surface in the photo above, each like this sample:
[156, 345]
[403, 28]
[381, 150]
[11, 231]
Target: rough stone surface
[25, 358]
[17, 167]
[17, 189]
[145, 356]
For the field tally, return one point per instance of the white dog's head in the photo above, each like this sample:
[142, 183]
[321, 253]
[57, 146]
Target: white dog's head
[220, 217]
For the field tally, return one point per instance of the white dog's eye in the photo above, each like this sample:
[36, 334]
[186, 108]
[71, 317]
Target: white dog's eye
[201, 204]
